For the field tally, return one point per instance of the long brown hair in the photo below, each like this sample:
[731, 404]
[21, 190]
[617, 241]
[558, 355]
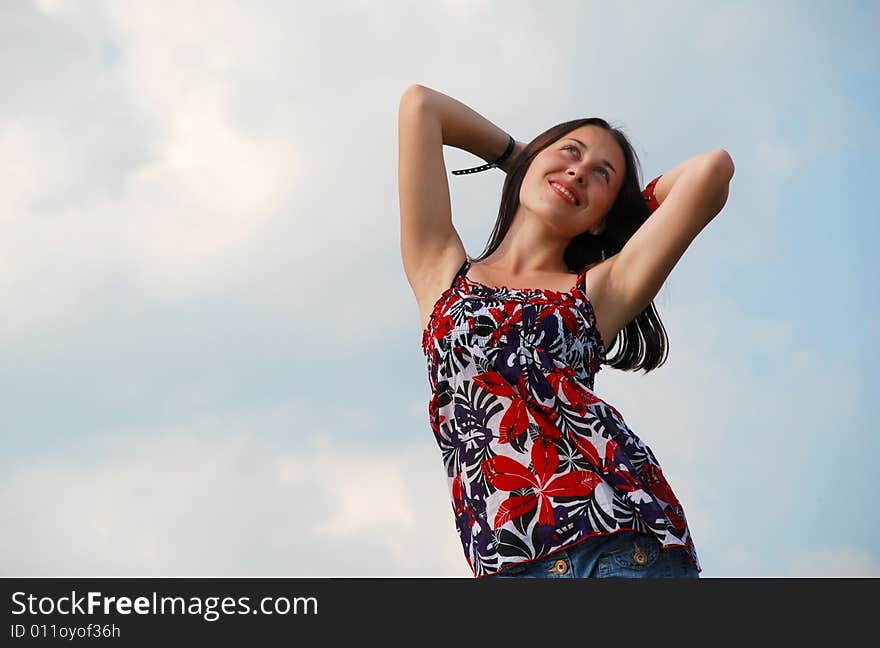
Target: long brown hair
[643, 341]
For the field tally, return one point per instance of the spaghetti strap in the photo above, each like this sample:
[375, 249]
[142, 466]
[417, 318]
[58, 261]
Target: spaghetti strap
[462, 270]
[580, 282]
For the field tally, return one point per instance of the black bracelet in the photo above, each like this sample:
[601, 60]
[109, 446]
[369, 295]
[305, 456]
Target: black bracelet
[510, 146]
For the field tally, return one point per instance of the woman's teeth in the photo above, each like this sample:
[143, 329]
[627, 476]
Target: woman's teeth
[565, 191]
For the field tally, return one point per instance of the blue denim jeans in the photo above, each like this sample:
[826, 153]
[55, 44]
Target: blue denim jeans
[624, 554]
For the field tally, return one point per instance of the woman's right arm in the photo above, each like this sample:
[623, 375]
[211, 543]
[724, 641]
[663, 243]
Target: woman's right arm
[427, 235]
[430, 246]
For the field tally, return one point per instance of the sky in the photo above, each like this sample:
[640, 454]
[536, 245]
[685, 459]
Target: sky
[210, 357]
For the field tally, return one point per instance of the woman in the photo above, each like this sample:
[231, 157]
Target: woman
[546, 478]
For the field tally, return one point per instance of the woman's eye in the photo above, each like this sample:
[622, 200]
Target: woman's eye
[575, 149]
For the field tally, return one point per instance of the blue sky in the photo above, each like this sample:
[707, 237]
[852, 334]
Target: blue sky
[210, 352]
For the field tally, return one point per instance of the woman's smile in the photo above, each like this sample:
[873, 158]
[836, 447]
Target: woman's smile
[564, 194]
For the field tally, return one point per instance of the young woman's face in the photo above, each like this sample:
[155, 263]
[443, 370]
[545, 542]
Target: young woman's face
[590, 163]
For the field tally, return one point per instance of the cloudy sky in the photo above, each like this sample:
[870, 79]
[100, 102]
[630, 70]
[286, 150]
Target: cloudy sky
[209, 352]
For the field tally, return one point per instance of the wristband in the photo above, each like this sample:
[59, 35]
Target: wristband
[484, 167]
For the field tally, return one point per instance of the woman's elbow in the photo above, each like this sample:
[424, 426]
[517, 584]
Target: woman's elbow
[722, 162]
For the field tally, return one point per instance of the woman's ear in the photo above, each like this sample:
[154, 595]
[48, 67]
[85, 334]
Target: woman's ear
[598, 229]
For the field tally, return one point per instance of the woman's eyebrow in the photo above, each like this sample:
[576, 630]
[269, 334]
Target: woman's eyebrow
[605, 162]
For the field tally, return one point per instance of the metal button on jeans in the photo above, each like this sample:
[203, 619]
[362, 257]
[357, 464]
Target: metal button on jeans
[639, 556]
[560, 567]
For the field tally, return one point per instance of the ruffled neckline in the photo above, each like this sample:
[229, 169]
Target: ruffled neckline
[567, 296]
[573, 293]
[523, 291]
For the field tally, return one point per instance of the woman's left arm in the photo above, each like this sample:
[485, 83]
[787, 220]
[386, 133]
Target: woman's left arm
[690, 196]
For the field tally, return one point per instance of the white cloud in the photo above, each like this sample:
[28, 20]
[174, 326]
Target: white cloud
[210, 499]
[53, 7]
[245, 168]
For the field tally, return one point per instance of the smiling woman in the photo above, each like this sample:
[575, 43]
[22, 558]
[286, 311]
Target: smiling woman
[545, 476]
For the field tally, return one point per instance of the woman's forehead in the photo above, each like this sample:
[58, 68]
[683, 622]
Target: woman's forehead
[594, 136]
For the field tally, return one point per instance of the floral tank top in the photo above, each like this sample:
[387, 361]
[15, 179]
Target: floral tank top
[535, 460]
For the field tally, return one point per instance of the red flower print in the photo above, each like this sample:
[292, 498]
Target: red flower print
[578, 397]
[458, 502]
[508, 319]
[507, 474]
[677, 520]
[617, 472]
[494, 383]
[655, 480]
[435, 417]
[515, 421]
[544, 416]
[587, 449]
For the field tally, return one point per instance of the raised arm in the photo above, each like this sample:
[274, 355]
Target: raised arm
[429, 244]
[426, 230]
[690, 196]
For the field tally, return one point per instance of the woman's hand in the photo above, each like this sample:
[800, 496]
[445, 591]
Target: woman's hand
[507, 165]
